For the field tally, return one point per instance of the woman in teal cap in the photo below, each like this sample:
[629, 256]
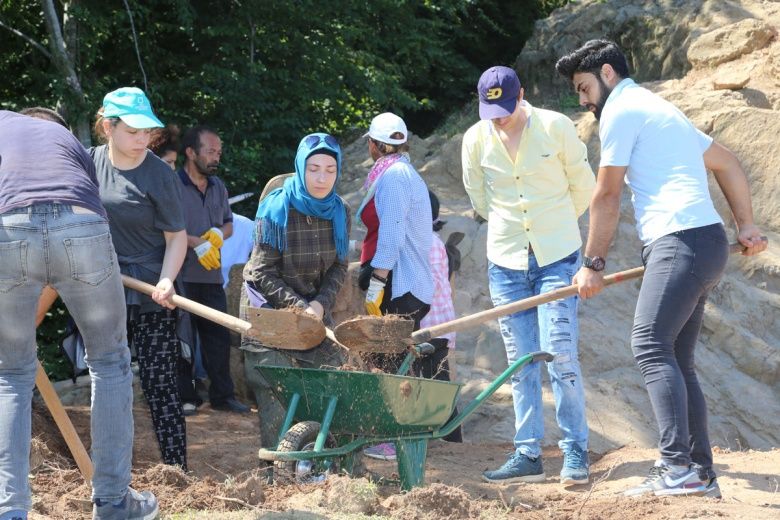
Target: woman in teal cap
[299, 260]
[142, 197]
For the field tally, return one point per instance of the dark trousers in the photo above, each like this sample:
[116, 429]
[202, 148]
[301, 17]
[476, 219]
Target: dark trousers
[680, 270]
[214, 345]
[157, 348]
[436, 366]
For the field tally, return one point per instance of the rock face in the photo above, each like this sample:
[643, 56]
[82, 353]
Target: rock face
[656, 36]
[739, 351]
[730, 42]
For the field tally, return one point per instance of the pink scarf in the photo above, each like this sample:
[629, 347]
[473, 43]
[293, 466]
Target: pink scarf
[380, 167]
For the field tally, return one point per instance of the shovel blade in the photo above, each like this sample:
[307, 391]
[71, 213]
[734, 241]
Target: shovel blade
[283, 329]
[374, 334]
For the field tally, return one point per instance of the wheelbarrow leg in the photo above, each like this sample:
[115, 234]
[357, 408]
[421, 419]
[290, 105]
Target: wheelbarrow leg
[411, 455]
[325, 424]
[288, 419]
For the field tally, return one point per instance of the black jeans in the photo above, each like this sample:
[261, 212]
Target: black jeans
[214, 344]
[680, 270]
[436, 366]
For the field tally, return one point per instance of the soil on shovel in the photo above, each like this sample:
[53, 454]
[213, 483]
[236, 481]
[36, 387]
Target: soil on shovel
[226, 481]
[375, 334]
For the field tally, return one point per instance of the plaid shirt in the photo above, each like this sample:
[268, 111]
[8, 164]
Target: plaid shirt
[442, 309]
[308, 269]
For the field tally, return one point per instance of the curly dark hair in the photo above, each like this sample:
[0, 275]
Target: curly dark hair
[165, 140]
[590, 57]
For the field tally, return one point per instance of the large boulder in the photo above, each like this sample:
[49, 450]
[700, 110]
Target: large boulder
[730, 42]
[655, 36]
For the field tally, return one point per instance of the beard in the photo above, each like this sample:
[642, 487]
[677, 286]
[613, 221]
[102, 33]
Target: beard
[205, 168]
[599, 106]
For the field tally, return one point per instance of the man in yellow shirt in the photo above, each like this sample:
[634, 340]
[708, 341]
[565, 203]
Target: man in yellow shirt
[527, 173]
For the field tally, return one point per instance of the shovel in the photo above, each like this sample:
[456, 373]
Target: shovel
[393, 335]
[281, 329]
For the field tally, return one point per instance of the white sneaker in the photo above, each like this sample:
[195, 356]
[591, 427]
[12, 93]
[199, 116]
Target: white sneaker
[665, 479]
[189, 409]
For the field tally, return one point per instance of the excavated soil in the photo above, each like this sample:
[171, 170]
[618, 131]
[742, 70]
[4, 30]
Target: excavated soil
[226, 481]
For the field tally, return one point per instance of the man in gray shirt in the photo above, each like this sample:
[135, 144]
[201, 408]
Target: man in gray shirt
[209, 221]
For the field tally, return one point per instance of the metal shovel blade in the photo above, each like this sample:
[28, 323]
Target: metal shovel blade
[284, 329]
[374, 334]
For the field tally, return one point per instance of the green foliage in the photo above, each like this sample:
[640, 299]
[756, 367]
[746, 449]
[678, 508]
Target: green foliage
[265, 73]
[49, 336]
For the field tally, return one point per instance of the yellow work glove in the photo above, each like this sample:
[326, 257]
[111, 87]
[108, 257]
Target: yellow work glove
[208, 256]
[374, 295]
[215, 236]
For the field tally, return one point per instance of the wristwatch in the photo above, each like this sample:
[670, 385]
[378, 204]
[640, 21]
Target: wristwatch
[596, 263]
[377, 277]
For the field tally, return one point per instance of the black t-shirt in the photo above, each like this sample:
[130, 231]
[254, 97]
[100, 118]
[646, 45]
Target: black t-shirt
[41, 161]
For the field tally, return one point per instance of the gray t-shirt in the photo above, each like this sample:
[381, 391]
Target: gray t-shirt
[141, 203]
[203, 211]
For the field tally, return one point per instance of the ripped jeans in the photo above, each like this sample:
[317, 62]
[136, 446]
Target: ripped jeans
[552, 327]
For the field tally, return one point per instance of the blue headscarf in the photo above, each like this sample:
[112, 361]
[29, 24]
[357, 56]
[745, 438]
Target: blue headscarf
[271, 217]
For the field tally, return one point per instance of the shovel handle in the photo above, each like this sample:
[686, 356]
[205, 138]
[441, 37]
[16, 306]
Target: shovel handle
[528, 303]
[226, 320]
[511, 308]
[69, 433]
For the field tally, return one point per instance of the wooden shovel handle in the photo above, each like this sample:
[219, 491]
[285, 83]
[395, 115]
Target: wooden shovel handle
[62, 420]
[534, 301]
[226, 320]
[511, 308]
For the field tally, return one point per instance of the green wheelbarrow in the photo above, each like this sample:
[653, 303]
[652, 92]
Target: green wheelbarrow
[332, 414]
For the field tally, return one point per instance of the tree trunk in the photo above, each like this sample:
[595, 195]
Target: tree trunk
[75, 103]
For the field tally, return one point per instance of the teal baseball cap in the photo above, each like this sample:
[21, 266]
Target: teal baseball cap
[131, 105]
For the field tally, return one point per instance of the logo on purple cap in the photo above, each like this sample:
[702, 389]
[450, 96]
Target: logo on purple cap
[494, 93]
[498, 90]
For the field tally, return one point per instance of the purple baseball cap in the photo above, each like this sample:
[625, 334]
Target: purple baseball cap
[498, 89]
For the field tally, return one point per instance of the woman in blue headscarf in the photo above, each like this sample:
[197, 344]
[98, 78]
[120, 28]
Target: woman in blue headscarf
[299, 260]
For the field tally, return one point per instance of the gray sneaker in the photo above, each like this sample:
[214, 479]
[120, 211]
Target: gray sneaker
[710, 479]
[519, 468]
[664, 480]
[576, 467]
[134, 506]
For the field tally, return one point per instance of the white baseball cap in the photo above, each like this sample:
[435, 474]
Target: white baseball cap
[386, 124]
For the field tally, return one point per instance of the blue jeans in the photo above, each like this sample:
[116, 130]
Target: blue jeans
[680, 270]
[552, 327]
[71, 251]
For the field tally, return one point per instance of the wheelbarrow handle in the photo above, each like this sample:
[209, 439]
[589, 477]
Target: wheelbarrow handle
[528, 303]
[226, 320]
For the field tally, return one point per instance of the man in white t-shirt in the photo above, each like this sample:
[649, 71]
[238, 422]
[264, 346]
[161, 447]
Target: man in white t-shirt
[664, 159]
[238, 248]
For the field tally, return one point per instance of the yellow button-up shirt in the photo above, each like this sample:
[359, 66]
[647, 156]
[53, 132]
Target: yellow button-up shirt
[535, 199]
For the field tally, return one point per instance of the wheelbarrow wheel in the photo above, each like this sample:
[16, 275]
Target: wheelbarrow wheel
[301, 437]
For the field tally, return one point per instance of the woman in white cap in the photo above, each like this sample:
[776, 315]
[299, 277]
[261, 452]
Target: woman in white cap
[142, 197]
[396, 210]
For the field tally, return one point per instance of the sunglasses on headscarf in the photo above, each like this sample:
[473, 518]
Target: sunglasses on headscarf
[314, 140]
